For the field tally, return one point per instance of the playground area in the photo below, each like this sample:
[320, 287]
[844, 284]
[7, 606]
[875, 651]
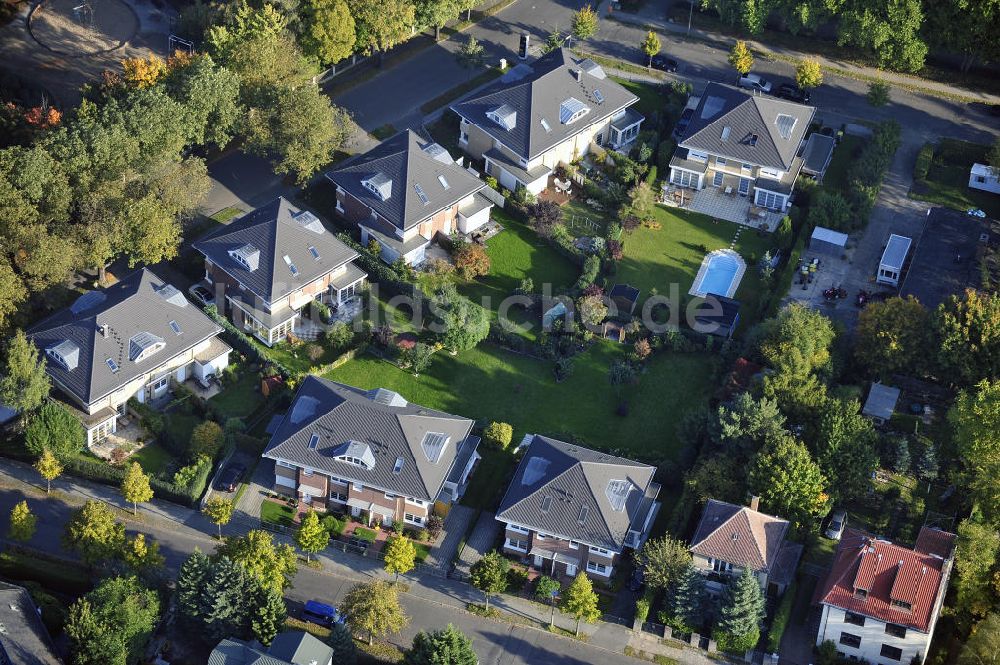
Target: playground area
[59, 45]
[82, 27]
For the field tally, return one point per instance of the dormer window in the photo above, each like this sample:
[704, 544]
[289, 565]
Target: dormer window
[434, 445]
[355, 453]
[247, 256]
[785, 124]
[902, 605]
[144, 345]
[504, 115]
[65, 353]
[572, 110]
[617, 492]
[380, 185]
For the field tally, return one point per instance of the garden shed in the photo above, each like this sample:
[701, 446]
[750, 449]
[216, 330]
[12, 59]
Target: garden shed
[881, 402]
[816, 154]
[828, 242]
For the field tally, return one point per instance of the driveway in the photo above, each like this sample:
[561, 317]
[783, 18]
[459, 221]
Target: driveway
[479, 542]
[456, 525]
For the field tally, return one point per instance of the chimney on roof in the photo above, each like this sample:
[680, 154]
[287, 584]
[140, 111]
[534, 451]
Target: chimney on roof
[103, 327]
[579, 74]
[754, 503]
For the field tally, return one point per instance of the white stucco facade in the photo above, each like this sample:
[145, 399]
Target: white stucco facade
[875, 643]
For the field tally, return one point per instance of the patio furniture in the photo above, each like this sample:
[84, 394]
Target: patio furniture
[729, 190]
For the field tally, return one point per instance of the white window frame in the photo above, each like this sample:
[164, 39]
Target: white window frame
[720, 161]
[600, 550]
[684, 178]
[338, 497]
[515, 544]
[413, 519]
[717, 179]
[518, 529]
[358, 487]
[416, 502]
[601, 569]
[283, 463]
[573, 545]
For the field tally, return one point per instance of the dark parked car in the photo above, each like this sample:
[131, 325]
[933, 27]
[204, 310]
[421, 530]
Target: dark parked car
[683, 123]
[322, 614]
[664, 64]
[202, 295]
[792, 93]
[231, 476]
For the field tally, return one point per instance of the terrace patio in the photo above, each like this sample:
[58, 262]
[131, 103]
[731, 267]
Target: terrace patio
[716, 202]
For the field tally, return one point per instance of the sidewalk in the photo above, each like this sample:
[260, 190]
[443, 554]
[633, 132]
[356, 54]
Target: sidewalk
[646, 18]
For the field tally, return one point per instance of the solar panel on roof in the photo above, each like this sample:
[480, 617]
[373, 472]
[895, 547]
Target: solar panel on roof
[785, 125]
[420, 193]
[86, 301]
[433, 445]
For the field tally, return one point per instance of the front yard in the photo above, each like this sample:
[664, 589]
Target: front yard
[947, 181]
[490, 383]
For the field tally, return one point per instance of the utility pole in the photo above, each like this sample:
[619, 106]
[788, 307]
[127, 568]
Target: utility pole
[690, 15]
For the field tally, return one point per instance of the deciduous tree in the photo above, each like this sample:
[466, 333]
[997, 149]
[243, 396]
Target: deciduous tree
[94, 533]
[142, 555]
[580, 601]
[206, 438]
[789, 482]
[844, 445]
[435, 13]
[975, 557]
[48, 468]
[808, 74]
[383, 24]
[144, 72]
[220, 511]
[471, 260]
[585, 23]
[498, 434]
[740, 57]
[328, 32]
[968, 332]
[983, 645]
[24, 385]
[442, 647]
[400, 556]
[135, 487]
[651, 47]
[891, 30]
[489, 574]
[22, 522]
[272, 564]
[460, 323]
[663, 560]
[975, 421]
[831, 210]
[210, 98]
[471, 53]
[112, 623]
[373, 608]
[53, 428]
[311, 536]
[892, 336]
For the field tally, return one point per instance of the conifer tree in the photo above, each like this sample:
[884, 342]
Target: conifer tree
[738, 627]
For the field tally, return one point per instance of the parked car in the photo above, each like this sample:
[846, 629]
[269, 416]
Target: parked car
[200, 293]
[792, 93]
[230, 477]
[638, 579]
[683, 123]
[663, 63]
[835, 529]
[754, 82]
[322, 614]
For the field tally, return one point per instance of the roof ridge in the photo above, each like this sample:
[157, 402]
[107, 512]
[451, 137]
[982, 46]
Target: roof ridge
[756, 541]
[597, 502]
[727, 521]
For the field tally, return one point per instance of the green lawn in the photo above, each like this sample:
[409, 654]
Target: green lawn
[843, 157]
[296, 358]
[582, 220]
[491, 478]
[154, 459]
[659, 258]
[651, 96]
[277, 513]
[240, 398]
[489, 383]
[947, 181]
[180, 424]
[515, 253]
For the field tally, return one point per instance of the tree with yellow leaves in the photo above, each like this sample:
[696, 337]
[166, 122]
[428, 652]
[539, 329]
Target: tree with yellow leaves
[144, 72]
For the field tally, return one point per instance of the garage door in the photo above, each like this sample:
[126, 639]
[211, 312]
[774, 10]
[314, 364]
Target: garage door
[507, 180]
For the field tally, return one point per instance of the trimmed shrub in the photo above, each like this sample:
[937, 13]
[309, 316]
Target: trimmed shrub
[498, 435]
[923, 163]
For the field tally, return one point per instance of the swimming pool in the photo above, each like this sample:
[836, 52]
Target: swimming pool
[720, 273]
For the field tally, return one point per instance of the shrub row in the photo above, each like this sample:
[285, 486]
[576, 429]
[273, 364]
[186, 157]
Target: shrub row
[62, 576]
[242, 343]
[870, 167]
[187, 494]
[780, 621]
[923, 163]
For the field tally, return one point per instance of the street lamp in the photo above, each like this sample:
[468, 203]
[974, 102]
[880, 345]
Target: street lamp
[552, 603]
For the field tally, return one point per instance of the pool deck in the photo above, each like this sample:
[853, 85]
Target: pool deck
[741, 267]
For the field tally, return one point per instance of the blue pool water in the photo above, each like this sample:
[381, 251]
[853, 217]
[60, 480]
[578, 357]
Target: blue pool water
[719, 275]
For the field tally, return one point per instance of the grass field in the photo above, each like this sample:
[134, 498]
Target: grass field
[277, 513]
[515, 253]
[489, 383]
[240, 398]
[947, 181]
[491, 478]
[153, 458]
[843, 156]
[658, 258]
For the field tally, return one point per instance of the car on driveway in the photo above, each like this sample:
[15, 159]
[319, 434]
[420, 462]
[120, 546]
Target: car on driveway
[321, 614]
[230, 477]
[835, 529]
[663, 63]
[792, 93]
[201, 293]
[754, 82]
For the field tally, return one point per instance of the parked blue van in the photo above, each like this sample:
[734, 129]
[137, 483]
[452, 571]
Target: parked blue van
[321, 614]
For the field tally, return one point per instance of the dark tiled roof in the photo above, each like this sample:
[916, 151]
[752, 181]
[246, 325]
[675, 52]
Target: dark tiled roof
[548, 83]
[237, 652]
[718, 310]
[817, 153]
[276, 230]
[381, 421]
[746, 115]
[562, 489]
[739, 535]
[407, 162]
[887, 573]
[24, 639]
[680, 160]
[140, 303]
[300, 648]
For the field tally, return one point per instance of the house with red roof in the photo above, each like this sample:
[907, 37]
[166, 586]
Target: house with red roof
[880, 600]
[730, 538]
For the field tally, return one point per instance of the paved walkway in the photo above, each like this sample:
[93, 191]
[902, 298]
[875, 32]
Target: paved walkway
[479, 542]
[456, 525]
[431, 600]
[651, 17]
